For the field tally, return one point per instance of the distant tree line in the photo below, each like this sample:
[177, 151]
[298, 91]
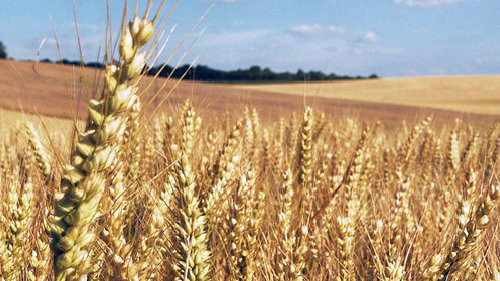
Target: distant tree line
[3, 51]
[253, 74]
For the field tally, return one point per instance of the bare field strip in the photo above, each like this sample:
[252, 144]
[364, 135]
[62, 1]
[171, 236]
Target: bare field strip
[63, 91]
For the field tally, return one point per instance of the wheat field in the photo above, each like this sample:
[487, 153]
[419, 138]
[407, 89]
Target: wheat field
[177, 196]
[473, 94]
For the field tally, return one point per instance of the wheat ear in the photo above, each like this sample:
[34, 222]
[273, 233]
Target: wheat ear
[285, 269]
[19, 207]
[223, 172]
[41, 156]
[471, 231]
[190, 238]
[84, 179]
[347, 223]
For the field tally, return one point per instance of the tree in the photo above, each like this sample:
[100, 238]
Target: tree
[3, 51]
[300, 75]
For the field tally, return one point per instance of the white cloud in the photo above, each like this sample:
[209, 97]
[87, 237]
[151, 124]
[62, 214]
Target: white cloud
[316, 29]
[424, 3]
[370, 36]
[305, 28]
[233, 37]
[309, 46]
[335, 29]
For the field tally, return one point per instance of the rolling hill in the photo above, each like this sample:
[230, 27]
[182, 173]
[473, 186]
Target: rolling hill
[63, 91]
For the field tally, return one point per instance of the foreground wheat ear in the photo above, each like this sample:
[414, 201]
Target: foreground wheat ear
[97, 147]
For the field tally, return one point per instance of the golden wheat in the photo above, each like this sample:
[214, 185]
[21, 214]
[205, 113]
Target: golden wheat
[245, 197]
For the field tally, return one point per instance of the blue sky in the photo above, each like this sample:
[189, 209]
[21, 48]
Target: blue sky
[387, 37]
